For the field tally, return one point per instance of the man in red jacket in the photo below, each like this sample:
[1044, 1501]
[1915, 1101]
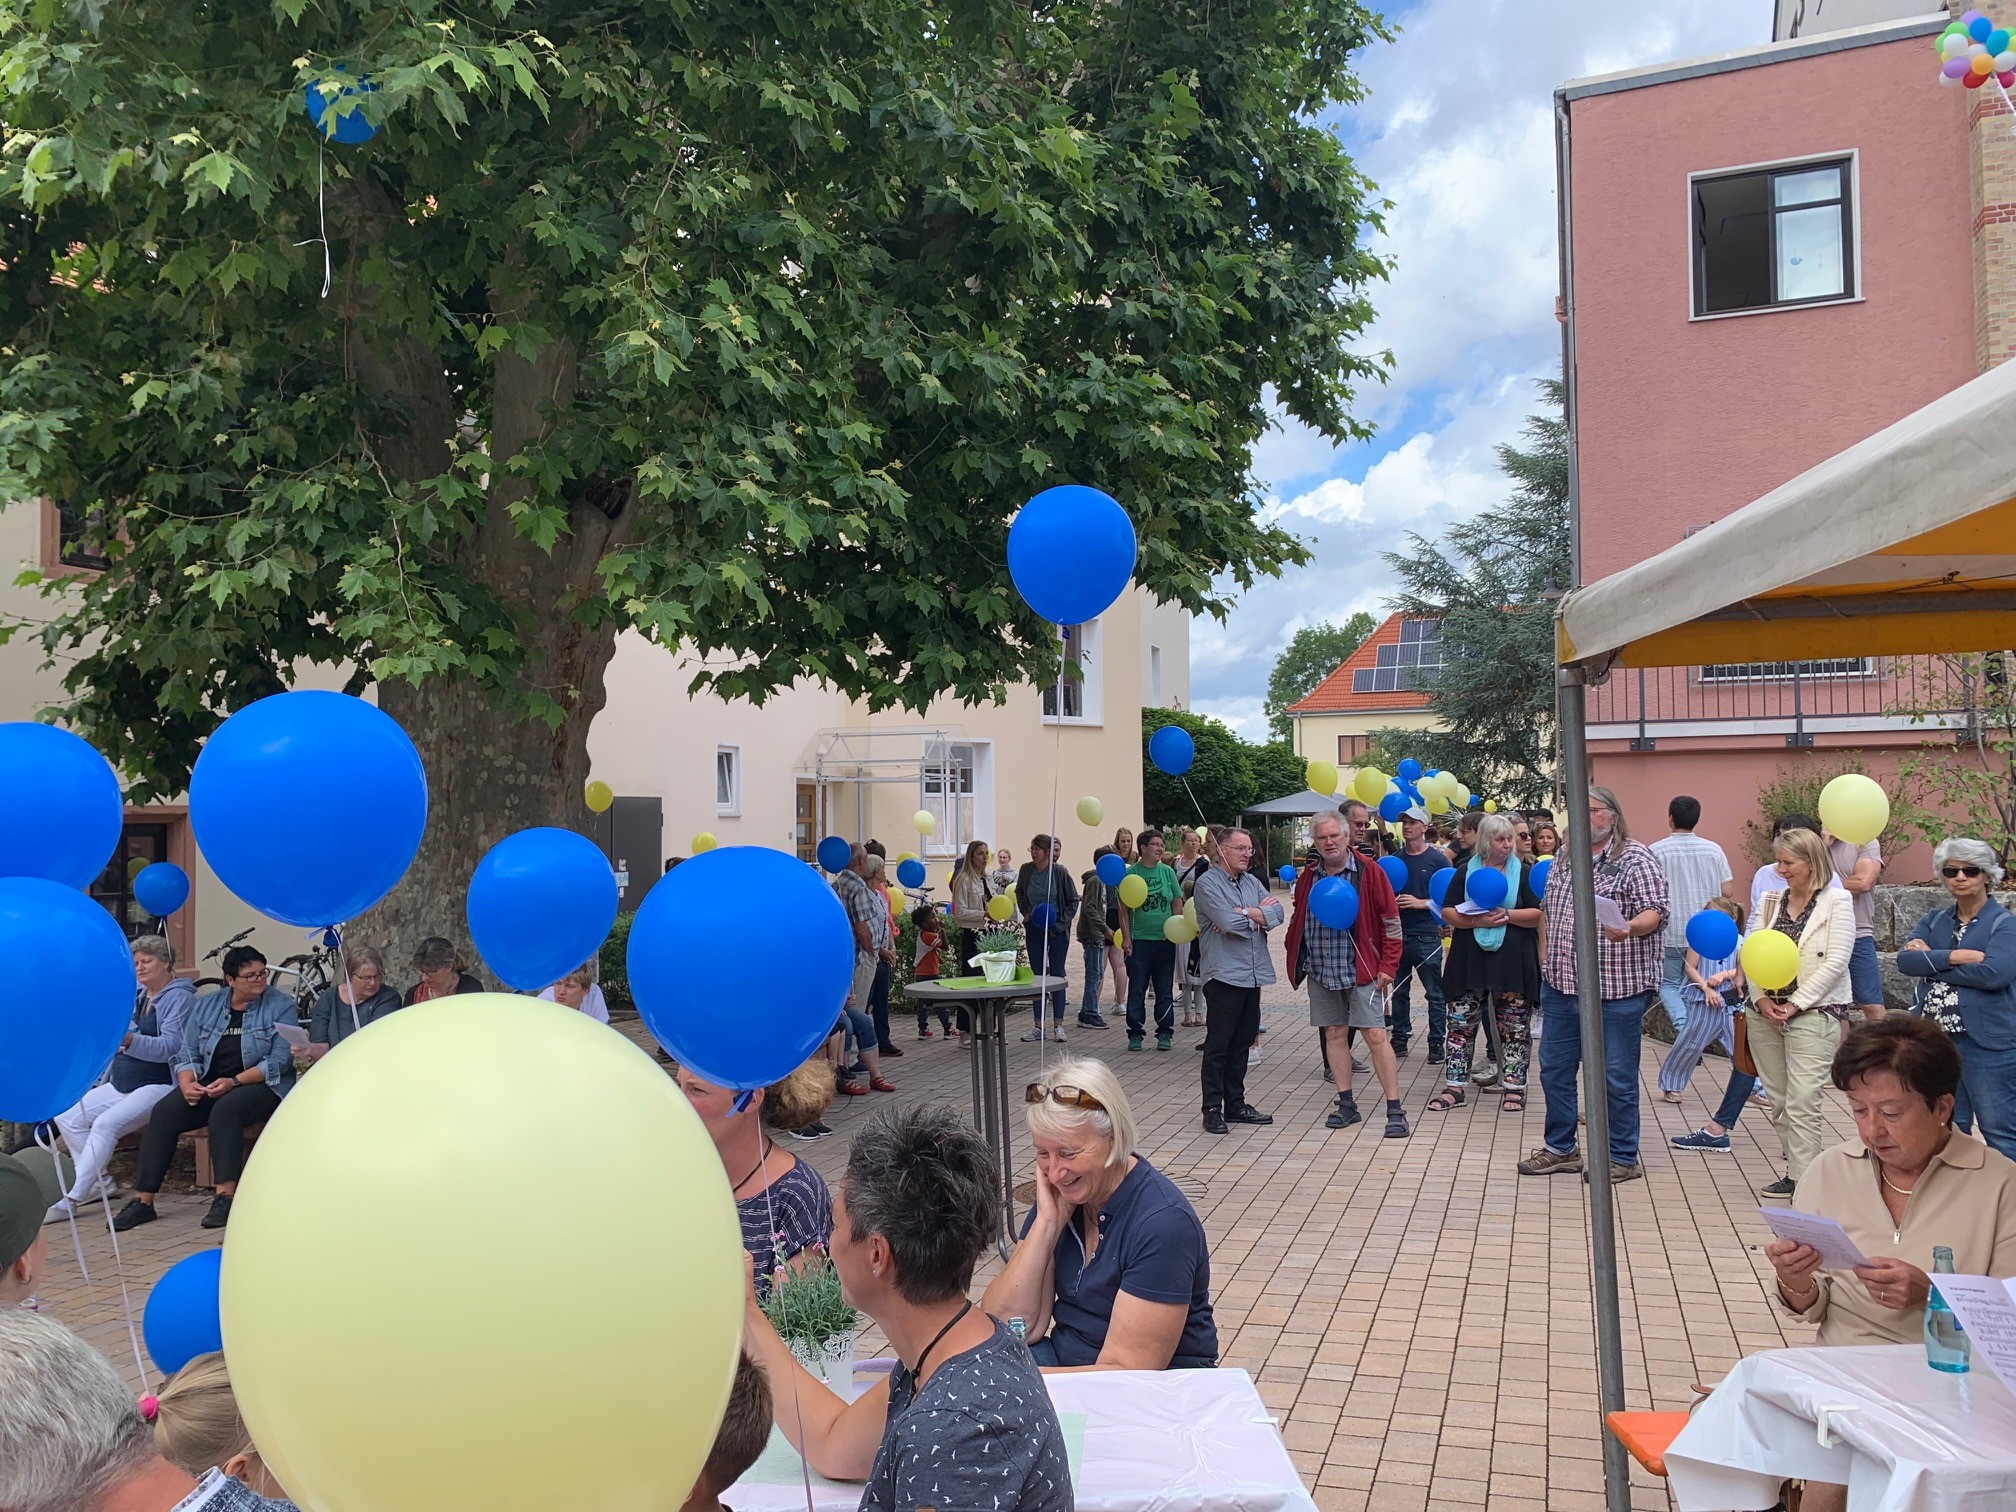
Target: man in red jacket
[1349, 971]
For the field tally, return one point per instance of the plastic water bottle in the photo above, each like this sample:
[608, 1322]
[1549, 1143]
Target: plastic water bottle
[1020, 1328]
[1946, 1345]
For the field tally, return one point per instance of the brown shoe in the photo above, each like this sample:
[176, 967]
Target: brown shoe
[1544, 1162]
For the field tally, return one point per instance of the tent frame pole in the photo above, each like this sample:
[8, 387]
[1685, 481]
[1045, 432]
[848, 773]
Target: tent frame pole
[1573, 719]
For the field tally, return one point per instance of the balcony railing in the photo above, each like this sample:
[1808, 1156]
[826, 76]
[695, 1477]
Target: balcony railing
[1795, 699]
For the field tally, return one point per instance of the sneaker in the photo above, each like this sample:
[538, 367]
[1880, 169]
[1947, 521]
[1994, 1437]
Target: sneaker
[1246, 1113]
[1434, 1054]
[1133, 1042]
[1544, 1162]
[1396, 1123]
[1059, 1036]
[133, 1215]
[1360, 1065]
[1784, 1186]
[30, 1304]
[1214, 1123]
[59, 1211]
[1033, 1037]
[859, 1068]
[1702, 1140]
[852, 1088]
[1094, 1022]
[1344, 1115]
[220, 1212]
[923, 1034]
[1620, 1173]
[1400, 1050]
[811, 1132]
[1165, 1042]
[892, 1050]
[1253, 1056]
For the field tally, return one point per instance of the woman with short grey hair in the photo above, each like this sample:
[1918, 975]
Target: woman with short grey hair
[1964, 956]
[340, 1011]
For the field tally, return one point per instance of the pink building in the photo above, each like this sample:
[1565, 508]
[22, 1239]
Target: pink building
[1768, 255]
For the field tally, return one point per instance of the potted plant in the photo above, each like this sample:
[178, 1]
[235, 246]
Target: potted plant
[999, 951]
[811, 1315]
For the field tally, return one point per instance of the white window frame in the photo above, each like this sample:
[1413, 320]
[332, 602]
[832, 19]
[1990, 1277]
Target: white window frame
[950, 838]
[1840, 669]
[732, 806]
[1091, 682]
[1852, 157]
[1155, 675]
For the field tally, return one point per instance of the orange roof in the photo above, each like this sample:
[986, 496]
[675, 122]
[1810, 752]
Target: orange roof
[1333, 695]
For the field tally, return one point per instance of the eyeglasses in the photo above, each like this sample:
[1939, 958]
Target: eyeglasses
[256, 974]
[1959, 871]
[1064, 1097]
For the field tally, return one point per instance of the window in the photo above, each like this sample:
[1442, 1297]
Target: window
[1077, 689]
[728, 779]
[1353, 749]
[955, 793]
[1847, 666]
[70, 540]
[1775, 236]
[1155, 676]
[140, 845]
[1407, 667]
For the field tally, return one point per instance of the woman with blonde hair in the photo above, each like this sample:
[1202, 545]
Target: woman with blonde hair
[1113, 1272]
[786, 1211]
[1795, 1028]
[197, 1427]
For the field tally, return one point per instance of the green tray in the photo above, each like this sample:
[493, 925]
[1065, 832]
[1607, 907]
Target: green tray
[1022, 975]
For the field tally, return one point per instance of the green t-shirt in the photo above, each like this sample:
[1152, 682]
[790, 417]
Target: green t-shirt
[1164, 898]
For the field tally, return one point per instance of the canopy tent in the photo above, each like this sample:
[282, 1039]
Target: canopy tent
[1904, 544]
[1294, 806]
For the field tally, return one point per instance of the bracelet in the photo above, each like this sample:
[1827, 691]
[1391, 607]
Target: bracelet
[1786, 1292]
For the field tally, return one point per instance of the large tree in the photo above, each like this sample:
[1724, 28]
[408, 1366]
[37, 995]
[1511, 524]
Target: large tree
[1492, 581]
[744, 325]
[1312, 654]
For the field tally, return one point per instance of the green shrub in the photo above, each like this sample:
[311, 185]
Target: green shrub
[613, 967]
[1792, 790]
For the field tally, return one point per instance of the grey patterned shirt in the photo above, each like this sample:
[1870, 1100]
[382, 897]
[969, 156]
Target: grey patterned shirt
[981, 1437]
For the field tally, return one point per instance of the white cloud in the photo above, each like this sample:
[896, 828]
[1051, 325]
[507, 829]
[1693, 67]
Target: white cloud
[1245, 715]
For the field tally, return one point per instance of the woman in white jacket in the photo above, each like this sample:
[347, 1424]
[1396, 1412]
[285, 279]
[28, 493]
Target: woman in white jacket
[1795, 1029]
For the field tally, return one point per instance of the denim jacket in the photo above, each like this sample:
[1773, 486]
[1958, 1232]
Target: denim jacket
[261, 1046]
[1987, 991]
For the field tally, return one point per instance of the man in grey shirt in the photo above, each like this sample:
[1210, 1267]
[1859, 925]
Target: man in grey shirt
[1696, 870]
[1234, 913]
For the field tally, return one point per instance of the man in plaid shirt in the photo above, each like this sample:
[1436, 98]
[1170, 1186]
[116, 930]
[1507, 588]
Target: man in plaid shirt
[1630, 962]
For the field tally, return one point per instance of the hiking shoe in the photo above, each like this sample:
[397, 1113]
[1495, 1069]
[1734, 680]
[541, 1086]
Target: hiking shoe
[1165, 1042]
[133, 1215]
[1702, 1140]
[220, 1212]
[1784, 1186]
[1133, 1042]
[1544, 1162]
[1396, 1123]
[1214, 1123]
[1345, 1114]
[1620, 1173]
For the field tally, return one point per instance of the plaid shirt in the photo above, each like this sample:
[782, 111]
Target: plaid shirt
[216, 1492]
[1328, 956]
[1635, 881]
[864, 906]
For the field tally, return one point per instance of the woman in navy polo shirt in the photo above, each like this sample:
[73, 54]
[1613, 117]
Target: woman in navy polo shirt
[1112, 1272]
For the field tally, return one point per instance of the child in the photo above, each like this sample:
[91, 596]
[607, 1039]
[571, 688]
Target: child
[1711, 987]
[197, 1427]
[930, 940]
[744, 1432]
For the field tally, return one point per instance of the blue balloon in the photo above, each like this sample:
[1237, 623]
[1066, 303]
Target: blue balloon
[1711, 934]
[1540, 870]
[1112, 868]
[332, 773]
[834, 854]
[1071, 552]
[540, 904]
[1172, 750]
[349, 129]
[1396, 871]
[1392, 806]
[731, 1014]
[910, 873]
[161, 888]
[1288, 874]
[1981, 29]
[1438, 885]
[1474, 801]
[1334, 902]
[60, 808]
[1409, 770]
[1042, 918]
[181, 1320]
[1485, 887]
[53, 1044]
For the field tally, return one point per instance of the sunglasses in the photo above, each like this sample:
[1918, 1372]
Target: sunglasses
[1067, 1097]
[1959, 871]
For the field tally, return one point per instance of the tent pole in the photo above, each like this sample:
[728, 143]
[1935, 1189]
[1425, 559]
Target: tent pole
[1573, 710]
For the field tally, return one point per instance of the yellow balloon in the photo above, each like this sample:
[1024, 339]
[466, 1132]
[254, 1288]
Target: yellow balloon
[134, 867]
[445, 1317]
[1190, 913]
[1179, 930]
[1490, 805]
[908, 856]
[1461, 797]
[598, 796]
[1769, 959]
[704, 841]
[1981, 65]
[1133, 890]
[924, 822]
[1369, 786]
[1854, 808]
[1001, 908]
[1321, 777]
[1091, 811]
[1437, 804]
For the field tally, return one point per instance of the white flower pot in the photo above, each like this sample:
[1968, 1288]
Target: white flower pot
[832, 1362]
[997, 965]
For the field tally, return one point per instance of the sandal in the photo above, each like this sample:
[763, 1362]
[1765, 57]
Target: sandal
[1515, 1100]
[1447, 1098]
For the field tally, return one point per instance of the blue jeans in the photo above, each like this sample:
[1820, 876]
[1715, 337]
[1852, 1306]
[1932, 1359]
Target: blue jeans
[1095, 974]
[1425, 953]
[1152, 961]
[1048, 954]
[1561, 1058]
[1987, 1092]
[1670, 985]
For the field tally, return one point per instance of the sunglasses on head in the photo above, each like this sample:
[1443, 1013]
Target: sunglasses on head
[1959, 871]
[1068, 1097]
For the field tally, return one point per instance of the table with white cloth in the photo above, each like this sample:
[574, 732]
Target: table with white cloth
[1139, 1441]
[1900, 1435]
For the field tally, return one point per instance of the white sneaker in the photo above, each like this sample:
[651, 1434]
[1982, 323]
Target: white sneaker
[59, 1211]
[1033, 1037]
[1060, 1036]
[1253, 1056]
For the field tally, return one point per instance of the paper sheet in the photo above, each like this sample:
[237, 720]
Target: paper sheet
[1837, 1250]
[296, 1038]
[1609, 915]
[1986, 1309]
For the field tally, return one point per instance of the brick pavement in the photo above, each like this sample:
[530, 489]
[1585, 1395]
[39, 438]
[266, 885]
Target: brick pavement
[1417, 1313]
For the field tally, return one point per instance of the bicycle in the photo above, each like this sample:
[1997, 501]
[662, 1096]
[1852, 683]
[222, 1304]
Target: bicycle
[310, 970]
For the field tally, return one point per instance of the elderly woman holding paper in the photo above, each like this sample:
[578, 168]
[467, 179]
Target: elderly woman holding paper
[1909, 1182]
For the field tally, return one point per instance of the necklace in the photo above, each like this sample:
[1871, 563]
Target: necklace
[767, 1149]
[937, 1339]
[1906, 1191]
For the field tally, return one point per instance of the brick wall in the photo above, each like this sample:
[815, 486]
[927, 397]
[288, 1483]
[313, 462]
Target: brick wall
[1991, 162]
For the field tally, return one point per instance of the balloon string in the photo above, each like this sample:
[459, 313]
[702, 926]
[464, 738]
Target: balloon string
[48, 1142]
[783, 1304]
[2006, 101]
[1043, 953]
[1201, 819]
[322, 215]
[343, 977]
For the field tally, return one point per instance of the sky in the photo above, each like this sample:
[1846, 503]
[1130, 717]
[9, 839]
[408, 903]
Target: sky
[1466, 155]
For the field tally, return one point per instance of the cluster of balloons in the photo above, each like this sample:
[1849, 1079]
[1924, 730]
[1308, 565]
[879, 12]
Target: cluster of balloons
[1410, 786]
[1974, 50]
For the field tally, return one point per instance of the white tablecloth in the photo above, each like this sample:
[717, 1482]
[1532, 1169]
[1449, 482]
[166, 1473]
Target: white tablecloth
[1907, 1438]
[1200, 1440]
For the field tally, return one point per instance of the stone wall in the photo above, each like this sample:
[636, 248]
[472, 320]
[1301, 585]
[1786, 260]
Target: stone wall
[1898, 909]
